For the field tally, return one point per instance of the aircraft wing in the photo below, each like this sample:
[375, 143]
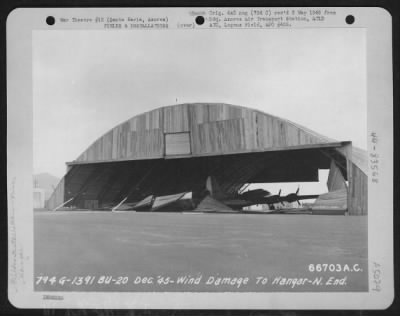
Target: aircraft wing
[306, 197]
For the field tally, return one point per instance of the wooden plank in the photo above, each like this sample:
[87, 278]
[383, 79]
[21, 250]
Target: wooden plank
[357, 188]
[132, 124]
[248, 129]
[146, 143]
[218, 137]
[114, 145]
[200, 113]
[292, 138]
[176, 119]
[359, 192]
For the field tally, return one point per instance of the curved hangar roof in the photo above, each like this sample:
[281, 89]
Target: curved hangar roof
[197, 129]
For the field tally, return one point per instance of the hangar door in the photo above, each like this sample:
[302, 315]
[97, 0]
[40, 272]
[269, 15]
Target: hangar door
[177, 144]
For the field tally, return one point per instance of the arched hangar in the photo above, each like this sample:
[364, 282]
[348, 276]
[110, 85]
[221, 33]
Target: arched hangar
[207, 149]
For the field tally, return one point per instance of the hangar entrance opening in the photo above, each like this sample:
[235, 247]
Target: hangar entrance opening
[307, 193]
[217, 179]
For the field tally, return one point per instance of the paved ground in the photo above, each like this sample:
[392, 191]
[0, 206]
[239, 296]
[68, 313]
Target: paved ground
[74, 250]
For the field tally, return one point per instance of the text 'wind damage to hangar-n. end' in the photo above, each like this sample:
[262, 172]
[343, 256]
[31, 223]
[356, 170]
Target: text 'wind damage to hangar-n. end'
[201, 156]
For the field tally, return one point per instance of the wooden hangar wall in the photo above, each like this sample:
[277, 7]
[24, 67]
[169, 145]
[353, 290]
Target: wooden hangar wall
[201, 129]
[356, 176]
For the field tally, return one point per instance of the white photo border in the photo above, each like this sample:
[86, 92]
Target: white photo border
[20, 24]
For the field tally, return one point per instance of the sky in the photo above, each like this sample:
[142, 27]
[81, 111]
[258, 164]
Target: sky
[87, 81]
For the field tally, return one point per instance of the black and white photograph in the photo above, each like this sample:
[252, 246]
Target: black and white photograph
[229, 151]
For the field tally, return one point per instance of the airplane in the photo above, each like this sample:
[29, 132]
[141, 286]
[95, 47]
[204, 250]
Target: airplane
[189, 200]
[242, 199]
[294, 197]
[253, 197]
